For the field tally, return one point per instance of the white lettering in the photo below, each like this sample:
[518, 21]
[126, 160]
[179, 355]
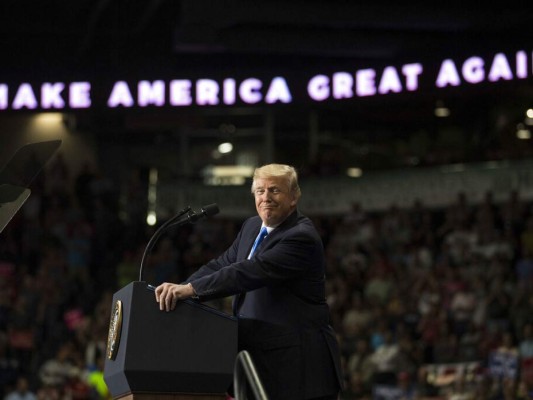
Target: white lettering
[25, 97]
[318, 88]
[180, 92]
[521, 64]
[342, 85]
[278, 91]
[448, 75]
[3, 96]
[206, 92]
[51, 95]
[229, 91]
[411, 72]
[80, 95]
[366, 85]
[249, 90]
[120, 95]
[473, 70]
[500, 68]
[151, 93]
[390, 81]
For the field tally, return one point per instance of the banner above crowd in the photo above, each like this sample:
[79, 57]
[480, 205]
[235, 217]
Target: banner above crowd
[289, 87]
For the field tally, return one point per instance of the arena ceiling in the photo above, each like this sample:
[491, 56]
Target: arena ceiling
[104, 37]
[88, 31]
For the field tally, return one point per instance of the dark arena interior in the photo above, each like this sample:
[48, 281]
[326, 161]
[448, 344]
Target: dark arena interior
[410, 126]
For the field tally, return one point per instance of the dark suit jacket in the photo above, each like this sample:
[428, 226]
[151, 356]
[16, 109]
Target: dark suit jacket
[280, 302]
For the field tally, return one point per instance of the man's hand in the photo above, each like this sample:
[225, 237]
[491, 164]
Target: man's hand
[168, 294]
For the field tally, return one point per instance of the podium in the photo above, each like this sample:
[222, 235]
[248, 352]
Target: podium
[187, 353]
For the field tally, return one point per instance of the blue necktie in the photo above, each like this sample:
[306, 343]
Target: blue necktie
[262, 234]
[239, 298]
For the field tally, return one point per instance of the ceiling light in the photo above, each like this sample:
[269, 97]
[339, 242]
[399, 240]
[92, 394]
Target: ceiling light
[49, 118]
[227, 174]
[151, 218]
[225, 148]
[441, 110]
[523, 134]
[354, 172]
[529, 117]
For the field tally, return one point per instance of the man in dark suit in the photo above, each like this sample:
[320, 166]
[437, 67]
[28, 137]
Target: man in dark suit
[279, 284]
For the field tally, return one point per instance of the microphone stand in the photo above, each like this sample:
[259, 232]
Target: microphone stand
[158, 232]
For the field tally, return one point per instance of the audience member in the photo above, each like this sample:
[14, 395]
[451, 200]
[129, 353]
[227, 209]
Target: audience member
[22, 391]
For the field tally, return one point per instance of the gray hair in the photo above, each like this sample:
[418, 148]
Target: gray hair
[279, 170]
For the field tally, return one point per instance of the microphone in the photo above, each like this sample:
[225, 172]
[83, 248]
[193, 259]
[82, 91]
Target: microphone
[190, 217]
[206, 211]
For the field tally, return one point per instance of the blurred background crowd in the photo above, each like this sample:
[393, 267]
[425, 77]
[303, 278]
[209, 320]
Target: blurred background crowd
[427, 303]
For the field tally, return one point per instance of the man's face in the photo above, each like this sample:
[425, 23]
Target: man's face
[273, 200]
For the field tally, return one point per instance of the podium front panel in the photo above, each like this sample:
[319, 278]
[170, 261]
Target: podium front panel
[191, 349]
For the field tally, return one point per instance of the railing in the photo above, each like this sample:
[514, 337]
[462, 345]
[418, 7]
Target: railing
[245, 376]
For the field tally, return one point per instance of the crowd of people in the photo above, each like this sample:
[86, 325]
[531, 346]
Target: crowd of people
[435, 303]
[426, 303]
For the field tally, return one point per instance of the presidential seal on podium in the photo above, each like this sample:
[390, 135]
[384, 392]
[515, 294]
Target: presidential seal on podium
[115, 326]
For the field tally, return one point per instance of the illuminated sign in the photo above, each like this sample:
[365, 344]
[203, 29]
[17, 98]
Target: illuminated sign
[207, 92]
[252, 90]
[47, 96]
[363, 83]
